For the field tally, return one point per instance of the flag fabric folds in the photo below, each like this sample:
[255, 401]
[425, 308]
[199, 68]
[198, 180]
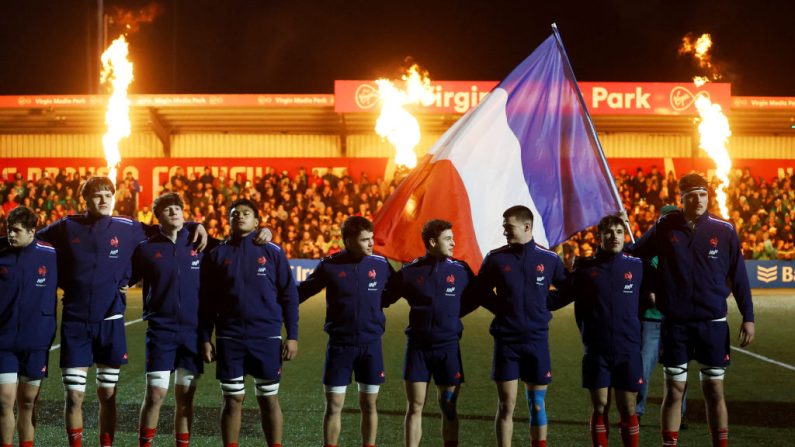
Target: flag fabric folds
[527, 143]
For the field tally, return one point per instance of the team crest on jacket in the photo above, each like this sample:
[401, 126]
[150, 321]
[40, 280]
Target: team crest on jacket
[262, 270]
[76, 240]
[41, 281]
[628, 276]
[42, 270]
[114, 248]
[714, 241]
[342, 274]
[450, 290]
[450, 279]
[227, 262]
[540, 268]
[674, 239]
[420, 280]
[372, 285]
[261, 260]
[713, 252]
[158, 255]
[371, 274]
[194, 253]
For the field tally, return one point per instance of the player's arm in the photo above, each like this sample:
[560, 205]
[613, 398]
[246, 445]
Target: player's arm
[393, 290]
[565, 290]
[53, 234]
[288, 299]
[471, 297]
[313, 284]
[137, 266]
[645, 247]
[207, 306]
[741, 289]
[485, 283]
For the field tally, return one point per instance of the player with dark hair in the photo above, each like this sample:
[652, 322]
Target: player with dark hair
[247, 294]
[606, 290]
[522, 273]
[354, 280]
[169, 265]
[700, 264]
[28, 286]
[440, 290]
[94, 264]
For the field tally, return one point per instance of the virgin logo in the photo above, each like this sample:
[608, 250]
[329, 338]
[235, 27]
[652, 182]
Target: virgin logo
[366, 96]
[682, 98]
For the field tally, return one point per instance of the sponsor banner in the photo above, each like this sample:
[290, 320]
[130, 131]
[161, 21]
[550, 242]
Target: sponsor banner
[302, 268]
[765, 168]
[764, 102]
[602, 98]
[252, 100]
[154, 172]
[771, 274]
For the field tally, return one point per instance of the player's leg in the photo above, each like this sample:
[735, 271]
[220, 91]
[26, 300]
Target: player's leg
[272, 420]
[712, 353]
[27, 396]
[337, 370]
[627, 378]
[368, 368]
[506, 402]
[535, 369]
[264, 363]
[600, 408]
[155, 394]
[629, 427]
[230, 372]
[448, 373]
[110, 354]
[76, 356]
[185, 382]
[536, 402]
[674, 343]
[368, 405]
[415, 401]
[8, 395]
[448, 398]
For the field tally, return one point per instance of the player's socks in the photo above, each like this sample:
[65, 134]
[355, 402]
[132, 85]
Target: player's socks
[630, 431]
[231, 444]
[182, 439]
[25, 444]
[720, 438]
[7, 445]
[146, 436]
[598, 429]
[368, 445]
[105, 440]
[538, 443]
[450, 443]
[75, 436]
[275, 445]
[670, 438]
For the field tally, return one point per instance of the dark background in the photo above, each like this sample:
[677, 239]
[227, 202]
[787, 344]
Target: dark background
[298, 46]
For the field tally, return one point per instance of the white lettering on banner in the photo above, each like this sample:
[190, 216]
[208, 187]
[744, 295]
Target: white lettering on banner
[637, 100]
[786, 274]
[366, 97]
[300, 273]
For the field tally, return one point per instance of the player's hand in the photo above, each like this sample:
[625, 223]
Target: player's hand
[123, 290]
[200, 237]
[653, 298]
[746, 333]
[264, 235]
[289, 349]
[208, 352]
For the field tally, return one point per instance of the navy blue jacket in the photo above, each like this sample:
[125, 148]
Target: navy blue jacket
[606, 291]
[94, 261]
[439, 292]
[170, 273]
[247, 291]
[522, 275]
[697, 269]
[28, 287]
[353, 296]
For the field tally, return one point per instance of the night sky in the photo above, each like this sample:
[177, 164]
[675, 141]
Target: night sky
[301, 46]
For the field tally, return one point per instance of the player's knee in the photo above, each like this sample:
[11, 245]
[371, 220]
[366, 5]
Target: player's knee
[30, 382]
[107, 377]
[535, 402]
[186, 378]
[158, 379]
[447, 401]
[233, 387]
[676, 373]
[706, 373]
[74, 381]
[266, 387]
[366, 388]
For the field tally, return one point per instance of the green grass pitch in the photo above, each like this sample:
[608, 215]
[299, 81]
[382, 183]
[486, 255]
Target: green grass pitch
[761, 396]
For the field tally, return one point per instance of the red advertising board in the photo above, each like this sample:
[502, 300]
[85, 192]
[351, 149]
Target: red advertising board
[285, 100]
[152, 173]
[602, 98]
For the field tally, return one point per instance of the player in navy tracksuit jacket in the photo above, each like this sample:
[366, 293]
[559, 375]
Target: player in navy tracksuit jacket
[606, 291]
[440, 290]
[700, 263]
[522, 273]
[28, 283]
[94, 263]
[247, 294]
[354, 280]
[169, 263]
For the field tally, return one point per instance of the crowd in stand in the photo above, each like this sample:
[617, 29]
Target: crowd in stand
[305, 210]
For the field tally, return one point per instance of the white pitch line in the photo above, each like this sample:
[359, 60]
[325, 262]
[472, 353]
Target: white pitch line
[764, 359]
[58, 346]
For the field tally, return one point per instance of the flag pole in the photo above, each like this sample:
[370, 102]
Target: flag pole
[591, 126]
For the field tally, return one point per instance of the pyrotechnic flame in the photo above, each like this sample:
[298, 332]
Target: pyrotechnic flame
[117, 74]
[397, 124]
[131, 20]
[714, 125]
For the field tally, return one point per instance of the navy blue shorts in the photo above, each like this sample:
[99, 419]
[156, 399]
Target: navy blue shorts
[83, 344]
[30, 364]
[621, 371]
[366, 362]
[444, 365]
[260, 358]
[706, 342]
[529, 362]
[169, 350]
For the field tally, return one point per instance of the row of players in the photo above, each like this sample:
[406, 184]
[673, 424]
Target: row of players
[248, 293]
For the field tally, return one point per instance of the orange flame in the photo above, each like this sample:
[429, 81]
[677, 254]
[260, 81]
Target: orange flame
[397, 124]
[117, 74]
[714, 126]
[132, 20]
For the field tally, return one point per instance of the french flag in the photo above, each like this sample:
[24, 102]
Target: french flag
[529, 142]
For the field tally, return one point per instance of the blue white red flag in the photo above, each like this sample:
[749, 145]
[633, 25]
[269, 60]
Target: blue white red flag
[527, 143]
